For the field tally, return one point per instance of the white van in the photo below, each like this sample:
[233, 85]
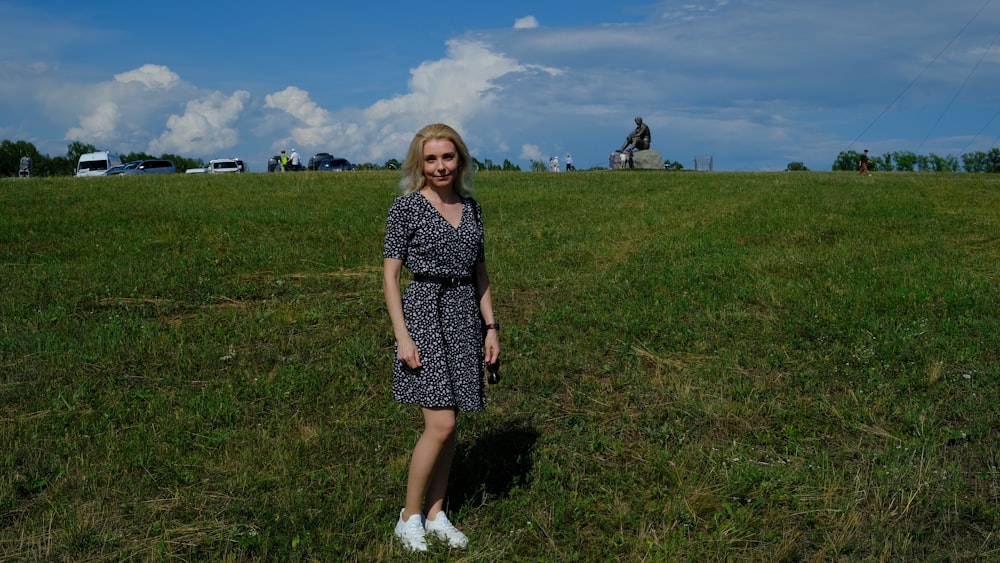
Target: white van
[97, 163]
[225, 165]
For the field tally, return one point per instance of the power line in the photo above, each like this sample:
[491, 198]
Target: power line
[988, 123]
[959, 91]
[920, 74]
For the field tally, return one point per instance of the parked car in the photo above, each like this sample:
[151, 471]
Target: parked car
[196, 171]
[97, 163]
[334, 165]
[121, 168]
[153, 166]
[226, 165]
[315, 159]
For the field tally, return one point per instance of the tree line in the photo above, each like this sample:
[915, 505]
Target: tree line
[978, 162]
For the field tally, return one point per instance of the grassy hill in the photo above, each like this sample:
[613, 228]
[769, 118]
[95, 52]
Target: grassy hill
[697, 366]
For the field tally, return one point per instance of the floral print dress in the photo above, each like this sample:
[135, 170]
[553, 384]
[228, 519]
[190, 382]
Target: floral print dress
[443, 320]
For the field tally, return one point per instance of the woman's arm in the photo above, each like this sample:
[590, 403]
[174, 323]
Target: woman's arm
[406, 349]
[492, 340]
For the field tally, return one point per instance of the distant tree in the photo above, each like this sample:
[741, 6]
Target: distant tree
[510, 166]
[982, 162]
[993, 161]
[182, 163]
[974, 162]
[75, 149]
[906, 161]
[796, 167]
[988, 162]
[847, 160]
[56, 166]
[886, 164]
[486, 165]
[133, 156]
[952, 164]
[392, 164]
[539, 166]
[935, 163]
[489, 165]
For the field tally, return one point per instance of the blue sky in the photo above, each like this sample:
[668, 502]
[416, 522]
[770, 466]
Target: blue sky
[756, 84]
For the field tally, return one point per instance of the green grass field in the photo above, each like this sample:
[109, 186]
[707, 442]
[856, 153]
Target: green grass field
[697, 366]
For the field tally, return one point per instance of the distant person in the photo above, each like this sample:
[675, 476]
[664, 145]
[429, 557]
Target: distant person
[863, 168]
[569, 163]
[272, 164]
[283, 160]
[611, 161]
[444, 322]
[622, 160]
[631, 162]
[294, 160]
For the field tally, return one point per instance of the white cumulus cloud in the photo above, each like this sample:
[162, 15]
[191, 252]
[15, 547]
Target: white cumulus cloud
[319, 129]
[298, 103]
[531, 152]
[527, 22]
[453, 90]
[205, 127]
[150, 76]
[99, 126]
[123, 113]
[450, 89]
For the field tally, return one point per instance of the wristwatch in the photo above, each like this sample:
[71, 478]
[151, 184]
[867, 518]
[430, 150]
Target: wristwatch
[494, 325]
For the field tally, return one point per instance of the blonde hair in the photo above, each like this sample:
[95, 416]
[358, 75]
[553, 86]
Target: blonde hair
[413, 166]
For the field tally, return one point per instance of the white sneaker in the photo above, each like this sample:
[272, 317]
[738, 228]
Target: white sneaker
[444, 529]
[411, 532]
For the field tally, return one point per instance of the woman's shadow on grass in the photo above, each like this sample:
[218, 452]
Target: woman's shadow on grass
[495, 463]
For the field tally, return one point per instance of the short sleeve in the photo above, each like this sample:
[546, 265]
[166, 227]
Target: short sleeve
[397, 231]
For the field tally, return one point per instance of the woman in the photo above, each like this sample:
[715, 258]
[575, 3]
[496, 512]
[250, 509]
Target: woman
[435, 230]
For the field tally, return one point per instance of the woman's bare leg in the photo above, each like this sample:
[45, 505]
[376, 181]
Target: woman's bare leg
[430, 465]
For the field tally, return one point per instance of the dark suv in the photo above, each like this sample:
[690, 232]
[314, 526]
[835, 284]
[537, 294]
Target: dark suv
[315, 159]
[334, 164]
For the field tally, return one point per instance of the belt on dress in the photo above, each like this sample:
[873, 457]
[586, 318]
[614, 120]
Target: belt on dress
[443, 280]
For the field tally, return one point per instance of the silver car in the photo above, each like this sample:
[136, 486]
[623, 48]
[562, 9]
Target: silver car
[156, 166]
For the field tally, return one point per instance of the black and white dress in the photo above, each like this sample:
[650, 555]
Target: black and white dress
[443, 320]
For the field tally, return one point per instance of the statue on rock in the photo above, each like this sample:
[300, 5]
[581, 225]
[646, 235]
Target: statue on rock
[639, 138]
